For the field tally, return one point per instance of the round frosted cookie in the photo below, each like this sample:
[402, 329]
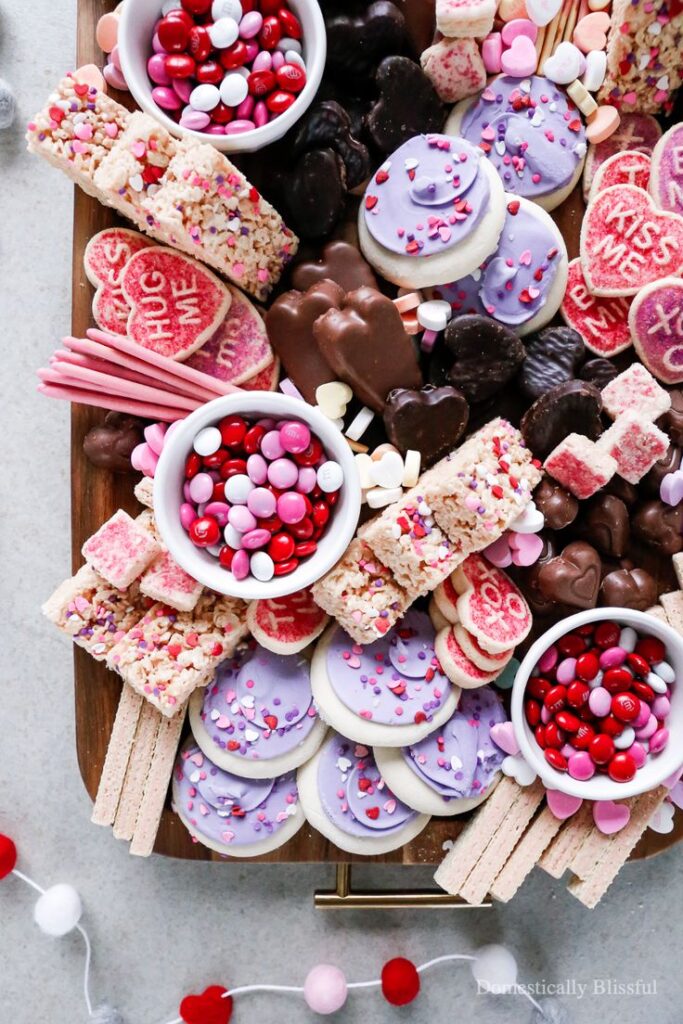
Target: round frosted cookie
[234, 816]
[388, 693]
[453, 769]
[434, 208]
[523, 282]
[530, 135]
[459, 668]
[257, 718]
[345, 798]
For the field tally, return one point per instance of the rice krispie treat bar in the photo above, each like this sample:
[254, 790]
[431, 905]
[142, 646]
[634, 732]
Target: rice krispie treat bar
[168, 654]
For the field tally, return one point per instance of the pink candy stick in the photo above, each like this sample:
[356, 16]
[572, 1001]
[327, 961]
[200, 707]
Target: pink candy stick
[118, 386]
[63, 355]
[113, 403]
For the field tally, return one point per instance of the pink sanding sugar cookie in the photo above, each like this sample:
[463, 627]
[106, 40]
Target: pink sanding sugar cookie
[455, 663]
[473, 650]
[666, 180]
[176, 303]
[601, 322]
[626, 242]
[446, 600]
[490, 606]
[635, 131]
[455, 68]
[239, 349]
[106, 254]
[266, 380]
[287, 624]
[627, 168]
[656, 323]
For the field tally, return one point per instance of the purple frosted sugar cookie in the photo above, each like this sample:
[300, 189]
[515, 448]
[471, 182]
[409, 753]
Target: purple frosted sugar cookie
[346, 799]
[636, 131]
[453, 769]
[655, 320]
[522, 283]
[234, 816]
[433, 202]
[257, 718]
[390, 692]
[666, 177]
[530, 132]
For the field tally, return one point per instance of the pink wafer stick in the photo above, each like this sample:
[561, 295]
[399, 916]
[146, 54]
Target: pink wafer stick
[63, 355]
[126, 388]
[114, 403]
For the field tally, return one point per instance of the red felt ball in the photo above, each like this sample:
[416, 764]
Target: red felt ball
[211, 1007]
[8, 856]
[400, 981]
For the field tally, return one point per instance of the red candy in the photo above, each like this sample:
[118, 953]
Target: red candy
[261, 83]
[279, 101]
[236, 56]
[607, 635]
[622, 767]
[625, 707]
[553, 736]
[601, 749]
[651, 648]
[577, 694]
[204, 531]
[233, 430]
[617, 679]
[270, 34]
[210, 72]
[8, 856]
[555, 699]
[538, 687]
[289, 23]
[199, 42]
[291, 77]
[638, 663]
[281, 547]
[197, 6]
[587, 666]
[180, 65]
[532, 710]
[556, 760]
[174, 34]
[567, 721]
[571, 645]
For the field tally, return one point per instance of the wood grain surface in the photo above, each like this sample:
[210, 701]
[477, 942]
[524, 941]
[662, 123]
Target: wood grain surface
[96, 494]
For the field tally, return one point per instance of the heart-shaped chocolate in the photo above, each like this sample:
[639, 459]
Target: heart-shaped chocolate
[211, 1007]
[659, 525]
[326, 125]
[109, 445]
[669, 463]
[672, 420]
[486, 355]
[552, 357]
[527, 578]
[408, 105]
[604, 522]
[365, 343]
[628, 588]
[572, 407]
[316, 193]
[573, 577]
[357, 41]
[339, 262]
[431, 420]
[559, 506]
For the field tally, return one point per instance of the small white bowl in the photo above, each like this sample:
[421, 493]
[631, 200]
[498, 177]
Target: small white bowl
[168, 488]
[656, 769]
[135, 47]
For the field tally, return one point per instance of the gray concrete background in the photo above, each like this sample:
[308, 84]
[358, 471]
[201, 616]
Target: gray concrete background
[162, 928]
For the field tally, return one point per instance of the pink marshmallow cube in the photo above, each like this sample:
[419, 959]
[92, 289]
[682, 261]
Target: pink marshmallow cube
[166, 581]
[635, 444]
[121, 550]
[637, 389]
[580, 465]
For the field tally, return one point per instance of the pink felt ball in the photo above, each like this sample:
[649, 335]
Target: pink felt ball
[325, 989]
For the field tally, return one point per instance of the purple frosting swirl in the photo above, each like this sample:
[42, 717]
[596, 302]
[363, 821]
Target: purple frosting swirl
[396, 680]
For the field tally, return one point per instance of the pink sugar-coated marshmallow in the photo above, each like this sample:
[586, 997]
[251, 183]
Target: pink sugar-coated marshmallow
[580, 766]
[308, 479]
[201, 487]
[455, 68]
[548, 659]
[566, 671]
[579, 465]
[519, 27]
[291, 507]
[254, 539]
[241, 519]
[659, 740]
[257, 469]
[271, 445]
[613, 657]
[521, 59]
[491, 52]
[188, 514]
[240, 565]
[283, 473]
[262, 503]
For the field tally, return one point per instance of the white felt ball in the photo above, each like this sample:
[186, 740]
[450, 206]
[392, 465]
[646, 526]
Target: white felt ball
[58, 910]
[495, 969]
[8, 104]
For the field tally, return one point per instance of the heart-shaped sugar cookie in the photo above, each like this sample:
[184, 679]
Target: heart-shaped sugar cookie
[106, 254]
[239, 349]
[490, 606]
[656, 323]
[610, 817]
[211, 1007]
[628, 167]
[666, 184]
[286, 625]
[601, 322]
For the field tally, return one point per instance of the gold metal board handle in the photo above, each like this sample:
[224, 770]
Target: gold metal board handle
[344, 897]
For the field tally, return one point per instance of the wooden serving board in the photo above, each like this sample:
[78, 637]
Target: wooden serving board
[95, 496]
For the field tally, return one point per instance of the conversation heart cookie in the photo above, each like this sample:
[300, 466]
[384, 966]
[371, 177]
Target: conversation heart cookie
[626, 242]
[601, 322]
[176, 304]
[656, 322]
[266, 380]
[106, 254]
[624, 168]
[638, 132]
[286, 625]
[490, 606]
[666, 182]
[239, 349]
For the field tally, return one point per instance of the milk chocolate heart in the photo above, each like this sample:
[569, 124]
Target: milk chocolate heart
[660, 526]
[486, 355]
[339, 262]
[357, 43]
[408, 105]
[365, 343]
[604, 522]
[326, 125]
[289, 323]
[628, 588]
[553, 356]
[572, 407]
[431, 420]
[316, 193]
[109, 445]
[573, 577]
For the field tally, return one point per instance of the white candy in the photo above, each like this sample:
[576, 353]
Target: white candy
[58, 910]
[596, 68]
[330, 477]
[332, 398]
[226, 9]
[364, 464]
[207, 441]
[205, 97]
[628, 638]
[594, 683]
[289, 44]
[624, 740]
[494, 969]
[655, 681]
[233, 90]
[564, 65]
[223, 33]
[359, 424]
[378, 497]
[388, 471]
[664, 670]
[434, 314]
[411, 468]
[262, 567]
[238, 488]
[531, 520]
[215, 549]
[542, 12]
[294, 57]
[233, 538]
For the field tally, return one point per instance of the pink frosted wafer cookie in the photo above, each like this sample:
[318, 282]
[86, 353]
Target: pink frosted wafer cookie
[666, 180]
[287, 624]
[473, 650]
[626, 242]
[490, 606]
[455, 68]
[635, 444]
[635, 388]
[628, 167]
[656, 323]
[120, 550]
[167, 581]
[239, 349]
[601, 322]
[106, 254]
[635, 132]
[176, 303]
[460, 669]
[580, 465]
[465, 18]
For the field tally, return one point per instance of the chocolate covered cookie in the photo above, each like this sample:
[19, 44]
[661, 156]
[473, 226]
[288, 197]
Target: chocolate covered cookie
[570, 408]
[553, 356]
[109, 445]
[431, 420]
[408, 105]
[339, 262]
[486, 355]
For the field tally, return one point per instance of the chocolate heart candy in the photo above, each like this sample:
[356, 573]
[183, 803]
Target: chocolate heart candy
[660, 526]
[573, 577]
[326, 125]
[366, 345]
[622, 489]
[316, 196]
[570, 408]
[599, 372]
[109, 445]
[527, 578]
[552, 357]
[357, 42]
[604, 521]
[408, 105]
[669, 463]
[338, 262]
[486, 355]
[289, 323]
[559, 506]
[672, 421]
[431, 420]
[628, 588]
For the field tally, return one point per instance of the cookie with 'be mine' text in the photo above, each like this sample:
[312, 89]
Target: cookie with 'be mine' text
[602, 322]
[656, 323]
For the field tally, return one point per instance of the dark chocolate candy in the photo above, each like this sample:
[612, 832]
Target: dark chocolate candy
[552, 357]
[326, 125]
[570, 408]
[628, 588]
[622, 489]
[408, 105]
[672, 421]
[365, 343]
[109, 445]
[289, 323]
[339, 262]
[527, 578]
[316, 196]
[572, 577]
[604, 521]
[486, 355]
[659, 525]
[668, 463]
[357, 42]
[599, 372]
[431, 420]
[559, 506]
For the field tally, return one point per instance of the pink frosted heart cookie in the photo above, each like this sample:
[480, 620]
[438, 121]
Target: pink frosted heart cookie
[490, 606]
[656, 323]
[176, 303]
[601, 322]
[239, 349]
[287, 624]
[666, 183]
[626, 242]
[625, 168]
[266, 380]
[635, 132]
[460, 669]
[106, 254]
[456, 19]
